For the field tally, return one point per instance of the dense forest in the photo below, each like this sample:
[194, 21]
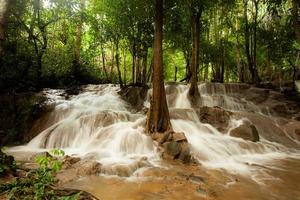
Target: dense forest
[47, 43]
[149, 99]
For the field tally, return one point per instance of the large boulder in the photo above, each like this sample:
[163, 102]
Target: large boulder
[246, 132]
[216, 116]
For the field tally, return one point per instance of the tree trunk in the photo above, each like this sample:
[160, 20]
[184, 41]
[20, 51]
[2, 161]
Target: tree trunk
[255, 72]
[249, 55]
[118, 64]
[103, 62]
[4, 4]
[295, 17]
[193, 91]
[145, 60]
[158, 119]
[112, 63]
[78, 41]
[240, 67]
[124, 64]
[133, 63]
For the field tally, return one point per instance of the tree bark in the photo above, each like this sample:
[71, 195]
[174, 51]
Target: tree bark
[4, 4]
[295, 17]
[124, 64]
[255, 72]
[193, 91]
[112, 63]
[145, 60]
[133, 63]
[103, 62]
[251, 65]
[158, 119]
[118, 64]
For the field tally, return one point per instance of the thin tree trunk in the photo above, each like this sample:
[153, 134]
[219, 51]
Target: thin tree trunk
[112, 63]
[249, 55]
[295, 17]
[193, 91]
[78, 41]
[124, 64]
[256, 76]
[4, 4]
[145, 60]
[103, 62]
[158, 119]
[118, 64]
[133, 63]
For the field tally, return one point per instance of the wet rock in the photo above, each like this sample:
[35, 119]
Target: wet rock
[246, 132]
[126, 170]
[216, 116]
[179, 137]
[185, 154]
[88, 167]
[69, 161]
[257, 95]
[173, 149]
[135, 96]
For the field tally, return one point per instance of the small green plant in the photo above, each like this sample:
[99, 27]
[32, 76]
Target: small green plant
[39, 183]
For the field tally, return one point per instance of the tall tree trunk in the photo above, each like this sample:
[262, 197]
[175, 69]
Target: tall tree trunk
[158, 119]
[103, 62]
[4, 4]
[240, 67]
[255, 72]
[193, 91]
[118, 64]
[112, 63]
[124, 65]
[145, 60]
[295, 17]
[78, 41]
[133, 63]
[138, 69]
[249, 55]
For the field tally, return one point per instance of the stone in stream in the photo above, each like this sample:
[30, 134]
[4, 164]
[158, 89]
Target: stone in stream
[216, 116]
[246, 132]
[175, 145]
[69, 161]
[86, 167]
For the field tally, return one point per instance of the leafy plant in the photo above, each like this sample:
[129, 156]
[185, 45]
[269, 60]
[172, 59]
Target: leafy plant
[39, 183]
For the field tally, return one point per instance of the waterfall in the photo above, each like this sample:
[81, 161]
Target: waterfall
[99, 124]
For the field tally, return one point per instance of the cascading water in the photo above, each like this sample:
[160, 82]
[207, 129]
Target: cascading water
[98, 124]
[95, 124]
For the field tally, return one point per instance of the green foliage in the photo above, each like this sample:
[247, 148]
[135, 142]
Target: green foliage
[38, 183]
[49, 32]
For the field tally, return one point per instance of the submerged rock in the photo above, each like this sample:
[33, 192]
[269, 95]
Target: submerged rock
[246, 132]
[69, 161]
[175, 145]
[88, 167]
[216, 116]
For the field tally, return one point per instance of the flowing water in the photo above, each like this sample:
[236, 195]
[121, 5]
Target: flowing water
[98, 124]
